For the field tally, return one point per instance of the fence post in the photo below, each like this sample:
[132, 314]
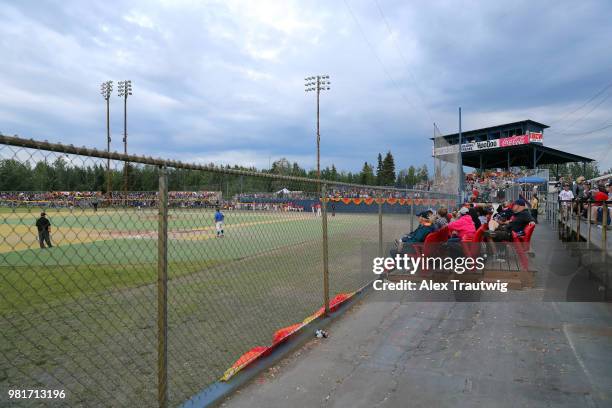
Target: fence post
[571, 220]
[589, 222]
[162, 291]
[323, 190]
[412, 214]
[380, 227]
[604, 227]
[578, 216]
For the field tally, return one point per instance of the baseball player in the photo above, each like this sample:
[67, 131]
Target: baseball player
[219, 223]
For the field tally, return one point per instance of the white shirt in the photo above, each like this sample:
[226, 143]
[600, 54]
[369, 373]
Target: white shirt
[566, 195]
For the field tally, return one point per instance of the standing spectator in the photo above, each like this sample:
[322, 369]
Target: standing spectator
[535, 202]
[566, 197]
[599, 199]
[578, 187]
[44, 225]
[475, 194]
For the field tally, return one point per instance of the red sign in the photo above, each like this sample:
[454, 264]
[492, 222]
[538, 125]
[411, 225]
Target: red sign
[536, 137]
[513, 141]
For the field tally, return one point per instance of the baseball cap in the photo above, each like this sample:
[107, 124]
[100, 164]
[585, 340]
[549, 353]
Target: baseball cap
[43, 213]
[464, 210]
[424, 214]
[520, 202]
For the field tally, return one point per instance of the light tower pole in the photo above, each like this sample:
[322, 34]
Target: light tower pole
[106, 89]
[318, 83]
[124, 90]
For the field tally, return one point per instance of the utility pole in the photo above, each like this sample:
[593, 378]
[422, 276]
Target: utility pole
[106, 89]
[318, 83]
[124, 90]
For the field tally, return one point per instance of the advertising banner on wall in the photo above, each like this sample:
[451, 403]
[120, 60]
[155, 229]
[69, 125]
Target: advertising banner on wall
[491, 144]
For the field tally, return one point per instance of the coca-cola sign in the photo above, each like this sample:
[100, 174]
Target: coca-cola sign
[513, 141]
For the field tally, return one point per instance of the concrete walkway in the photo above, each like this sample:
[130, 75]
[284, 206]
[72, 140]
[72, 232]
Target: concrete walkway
[390, 350]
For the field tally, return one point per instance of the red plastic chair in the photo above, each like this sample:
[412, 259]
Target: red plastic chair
[524, 239]
[431, 247]
[522, 244]
[471, 249]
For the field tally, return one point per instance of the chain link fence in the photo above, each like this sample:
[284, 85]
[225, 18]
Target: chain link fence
[146, 296]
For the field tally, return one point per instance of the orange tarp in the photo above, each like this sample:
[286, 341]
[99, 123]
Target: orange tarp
[281, 335]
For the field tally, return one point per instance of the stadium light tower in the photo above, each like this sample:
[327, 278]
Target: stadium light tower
[106, 89]
[124, 90]
[317, 83]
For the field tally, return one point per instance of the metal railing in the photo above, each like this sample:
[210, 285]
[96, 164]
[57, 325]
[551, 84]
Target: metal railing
[579, 217]
[147, 305]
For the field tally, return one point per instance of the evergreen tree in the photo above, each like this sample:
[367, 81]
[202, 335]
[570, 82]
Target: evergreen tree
[367, 175]
[411, 178]
[423, 174]
[379, 170]
[388, 170]
[333, 173]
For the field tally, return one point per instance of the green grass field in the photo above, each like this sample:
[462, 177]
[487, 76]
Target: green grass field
[82, 315]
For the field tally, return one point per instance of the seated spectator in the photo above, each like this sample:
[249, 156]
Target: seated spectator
[521, 218]
[474, 214]
[418, 235]
[441, 219]
[462, 228]
[504, 212]
[518, 222]
[482, 214]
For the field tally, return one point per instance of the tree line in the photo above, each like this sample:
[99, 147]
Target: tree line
[383, 175]
[61, 174]
[575, 170]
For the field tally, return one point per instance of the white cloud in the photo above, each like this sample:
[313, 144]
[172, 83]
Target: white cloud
[139, 19]
[227, 76]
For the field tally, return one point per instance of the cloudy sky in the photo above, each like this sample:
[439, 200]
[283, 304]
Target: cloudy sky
[223, 81]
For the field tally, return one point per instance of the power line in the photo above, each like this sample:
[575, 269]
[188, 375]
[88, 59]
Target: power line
[405, 60]
[385, 70]
[587, 132]
[605, 88]
[582, 117]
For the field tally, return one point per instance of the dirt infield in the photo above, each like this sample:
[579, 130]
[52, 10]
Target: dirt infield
[21, 237]
[18, 237]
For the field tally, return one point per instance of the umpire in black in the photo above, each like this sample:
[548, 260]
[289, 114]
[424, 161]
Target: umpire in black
[43, 225]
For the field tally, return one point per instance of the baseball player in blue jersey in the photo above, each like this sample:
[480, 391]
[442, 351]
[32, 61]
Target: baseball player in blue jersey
[219, 222]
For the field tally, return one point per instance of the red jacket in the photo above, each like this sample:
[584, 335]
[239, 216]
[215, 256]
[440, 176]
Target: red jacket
[464, 227]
